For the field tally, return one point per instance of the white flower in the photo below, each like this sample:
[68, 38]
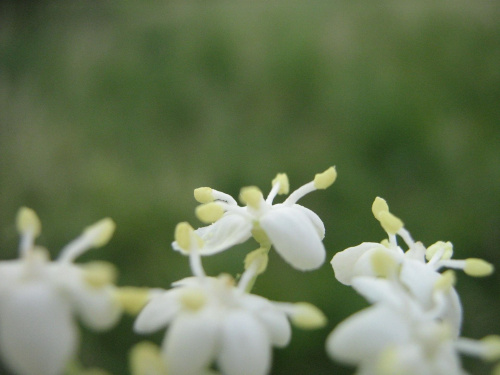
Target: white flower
[295, 231]
[415, 270]
[39, 299]
[214, 320]
[383, 340]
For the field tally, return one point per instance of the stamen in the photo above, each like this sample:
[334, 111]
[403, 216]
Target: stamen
[96, 235]
[478, 267]
[488, 348]
[145, 359]
[209, 212]
[446, 281]
[379, 205]
[492, 347]
[255, 264]
[132, 299]
[182, 235]
[389, 222]
[307, 316]
[251, 196]
[325, 179]
[27, 221]
[29, 227]
[282, 179]
[99, 273]
[439, 250]
[203, 195]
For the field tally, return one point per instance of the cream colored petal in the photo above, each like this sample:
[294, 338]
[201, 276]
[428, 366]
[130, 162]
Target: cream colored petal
[365, 334]
[245, 347]
[315, 220]
[37, 333]
[191, 343]
[344, 262]
[274, 320]
[158, 312]
[294, 237]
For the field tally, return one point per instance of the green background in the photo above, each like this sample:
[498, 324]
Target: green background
[121, 109]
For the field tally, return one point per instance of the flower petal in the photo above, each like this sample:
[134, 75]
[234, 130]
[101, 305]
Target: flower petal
[191, 342]
[365, 334]
[96, 307]
[343, 262]
[37, 332]
[245, 347]
[315, 220]
[158, 312]
[274, 320]
[378, 290]
[294, 237]
[226, 232]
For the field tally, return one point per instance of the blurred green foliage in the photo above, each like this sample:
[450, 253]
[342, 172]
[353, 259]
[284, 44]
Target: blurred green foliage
[121, 109]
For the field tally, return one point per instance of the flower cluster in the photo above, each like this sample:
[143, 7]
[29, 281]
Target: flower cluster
[216, 320]
[214, 325]
[40, 299]
[413, 326]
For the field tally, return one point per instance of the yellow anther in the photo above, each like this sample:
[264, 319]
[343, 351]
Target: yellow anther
[182, 235]
[478, 267]
[193, 299]
[446, 281]
[28, 221]
[491, 347]
[282, 178]
[260, 236]
[438, 246]
[251, 196]
[383, 263]
[132, 299]
[145, 359]
[379, 205]
[325, 179]
[307, 316]
[203, 195]
[101, 232]
[227, 280]
[209, 212]
[259, 255]
[99, 273]
[389, 222]
[385, 243]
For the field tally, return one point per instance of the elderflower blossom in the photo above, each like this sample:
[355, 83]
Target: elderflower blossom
[383, 340]
[414, 326]
[213, 319]
[416, 270]
[295, 231]
[39, 299]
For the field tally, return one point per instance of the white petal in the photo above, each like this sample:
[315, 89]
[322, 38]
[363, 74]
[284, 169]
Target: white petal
[294, 237]
[274, 320]
[37, 332]
[419, 279]
[96, 307]
[343, 262]
[226, 232]
[315, 220]
[158, 312]
[365, 334]
[191, 342]
[378, 290]
[245, 349]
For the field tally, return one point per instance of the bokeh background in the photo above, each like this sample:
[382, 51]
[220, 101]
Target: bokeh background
[121, 109]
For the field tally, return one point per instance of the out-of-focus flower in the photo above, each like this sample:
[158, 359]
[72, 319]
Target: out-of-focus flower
[383, 340]
[295, 231]
[216, 320]
[40, 299]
